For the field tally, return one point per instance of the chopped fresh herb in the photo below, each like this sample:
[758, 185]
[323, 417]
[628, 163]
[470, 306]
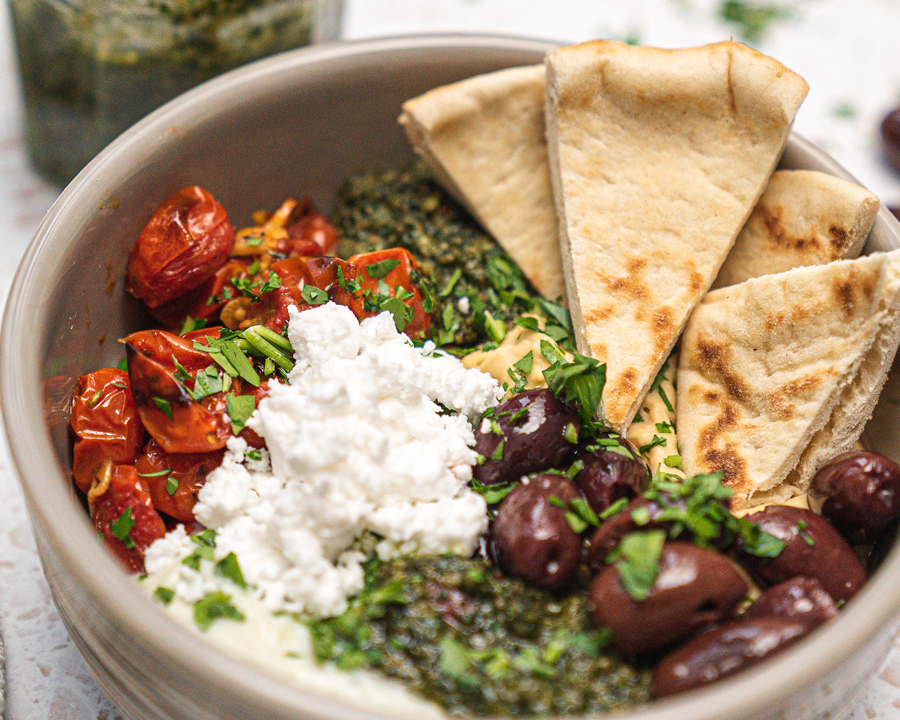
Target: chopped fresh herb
[253, 454]
[529, 323]
[498, 451]
[517, 417]
[214, 606]
[665, 398]
[190, 324]
[239, 408]
[164, 406]
[239, 362]
[753, 20]
[181, 373]
[171, 485]
[314, 295]
[575, 468]
[578, 513]
[207, 382]
[581, 381]
[664, 428]
[614, 509]
[381, 269]
[570, 433]
[121, 528]
[637, 561]
[551, 353]
[164, 595]
[493, 494]
[673, 461]
[494, 327]
[228, 567]
[158, 473]
[525, 363]
[657, 441]
[207, 538]
[451, 283]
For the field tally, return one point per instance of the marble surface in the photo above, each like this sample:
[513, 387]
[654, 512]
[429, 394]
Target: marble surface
[847, 55]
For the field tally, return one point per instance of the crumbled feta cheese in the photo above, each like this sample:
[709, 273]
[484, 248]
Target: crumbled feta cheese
[357, 443]
[463, 305]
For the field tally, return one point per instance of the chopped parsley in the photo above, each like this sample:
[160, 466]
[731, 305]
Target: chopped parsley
[214, 606]
[637, 561]
[121, 528]
[381, 269]
[581, 381]
[163, 405]
[164, 595]
[313, 295]
[228, 567]
[171, 485]
[239, 408]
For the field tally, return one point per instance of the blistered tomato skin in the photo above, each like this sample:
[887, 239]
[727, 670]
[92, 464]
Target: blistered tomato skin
[531, 539]
[530, 432]
[174, 479]
[105, 422]
[723, 651]
[126, 494]
[862, 491]
[813, 549]
[695, 588]
[186, 241]
[608, 476]
[799, 599]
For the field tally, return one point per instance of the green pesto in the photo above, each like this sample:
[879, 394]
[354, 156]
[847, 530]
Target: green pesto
[405, 207]
[92, 68]
[457, 632]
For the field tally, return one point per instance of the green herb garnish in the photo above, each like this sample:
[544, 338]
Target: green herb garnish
[214, 606]
[121, 528]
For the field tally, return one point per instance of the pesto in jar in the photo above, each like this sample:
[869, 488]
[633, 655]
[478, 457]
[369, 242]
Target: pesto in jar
[92, 68]
[457, 632]
[479, 289]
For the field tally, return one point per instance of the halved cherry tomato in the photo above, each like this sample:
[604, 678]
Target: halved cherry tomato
[309, 232]
[379, 284]
[331, 274]
[174, 479]
[122, 510]
[187, 239]
[105, 422]
[204, 301]
[171, 415]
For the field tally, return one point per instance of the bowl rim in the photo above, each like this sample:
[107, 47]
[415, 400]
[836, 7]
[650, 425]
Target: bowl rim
[54, 516]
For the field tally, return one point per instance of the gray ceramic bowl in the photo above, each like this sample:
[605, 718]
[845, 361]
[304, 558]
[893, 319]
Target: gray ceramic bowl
[297, 123]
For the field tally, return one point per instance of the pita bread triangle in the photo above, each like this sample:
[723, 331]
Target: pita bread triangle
[484, 140]
[781, 373]
[657, 158]
[804, 217]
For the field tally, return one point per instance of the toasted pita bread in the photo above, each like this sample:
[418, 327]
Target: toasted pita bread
[781, 372]
[484, 141]
[804, 217]
[657, 158]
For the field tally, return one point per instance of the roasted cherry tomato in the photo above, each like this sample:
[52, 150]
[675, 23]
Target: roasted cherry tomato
[332, 275]
[204, 301]
[122, 510]
[188, 238]
[386, 277]
[171, 415]
[105, 422]
[308, 232]
[174, 479]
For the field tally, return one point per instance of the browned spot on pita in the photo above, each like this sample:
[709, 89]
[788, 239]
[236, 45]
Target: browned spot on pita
[711, 396]
[714, 361]
[839, 237]
[778, 234]
[696, 281]
[732, 466]
[632, 285]
[781, 400]
[662, 324]
[843, 293]
[774, 321]
[598, 314]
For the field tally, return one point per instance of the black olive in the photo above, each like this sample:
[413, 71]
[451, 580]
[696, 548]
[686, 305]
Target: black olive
[694, 588]
[723, 651]
[608, 476]
[862, 491]
[800, 599]
[530, 432]
[531, 538]
[813, 549]
[890, 134]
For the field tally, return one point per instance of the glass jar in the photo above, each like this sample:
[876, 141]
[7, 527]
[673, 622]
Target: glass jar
[92, 68]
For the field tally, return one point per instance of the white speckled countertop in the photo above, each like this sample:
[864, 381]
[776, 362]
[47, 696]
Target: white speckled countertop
[848, 53]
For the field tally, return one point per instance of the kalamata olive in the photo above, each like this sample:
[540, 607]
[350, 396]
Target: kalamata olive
[186, 241]
[531, 431]
[531, 539]
[799, 599]
[890, 133]
[862, 491]
[813, 548]
[723, 651]
[608, 476]
[694, 588]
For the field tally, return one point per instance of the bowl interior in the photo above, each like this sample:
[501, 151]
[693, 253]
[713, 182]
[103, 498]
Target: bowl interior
[296, 124]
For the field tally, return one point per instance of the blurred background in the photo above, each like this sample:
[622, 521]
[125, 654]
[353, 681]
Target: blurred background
[846, 51]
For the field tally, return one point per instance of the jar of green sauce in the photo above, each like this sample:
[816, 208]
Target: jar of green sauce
[92, 68]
